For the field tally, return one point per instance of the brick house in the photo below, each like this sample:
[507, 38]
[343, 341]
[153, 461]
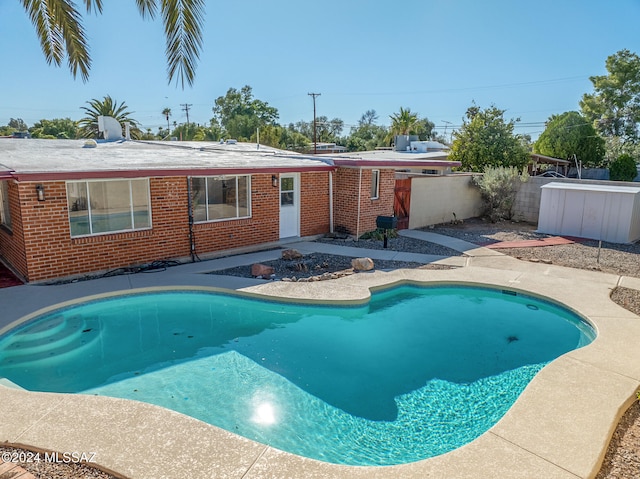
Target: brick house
[70, 208]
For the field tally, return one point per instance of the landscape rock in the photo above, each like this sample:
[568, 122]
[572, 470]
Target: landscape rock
[362, 264]
[291, 254]
[265, 271]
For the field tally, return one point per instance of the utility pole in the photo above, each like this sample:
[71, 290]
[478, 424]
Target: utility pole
[315, 143]
[446, 123]
[185, 108]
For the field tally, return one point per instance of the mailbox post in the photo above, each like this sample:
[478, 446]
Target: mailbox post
[386, 223]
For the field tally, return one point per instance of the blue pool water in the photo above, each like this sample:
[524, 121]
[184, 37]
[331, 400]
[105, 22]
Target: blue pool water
[415, 372]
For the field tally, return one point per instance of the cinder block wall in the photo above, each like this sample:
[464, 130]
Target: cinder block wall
[527, 205]
[346, 186]
[434, 200]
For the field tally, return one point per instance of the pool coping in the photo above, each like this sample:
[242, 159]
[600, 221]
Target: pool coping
[558, 428]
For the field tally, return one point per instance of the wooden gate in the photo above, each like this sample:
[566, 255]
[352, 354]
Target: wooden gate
[402, 201]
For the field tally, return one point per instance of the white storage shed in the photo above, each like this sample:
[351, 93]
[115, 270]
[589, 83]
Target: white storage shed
[603, 212]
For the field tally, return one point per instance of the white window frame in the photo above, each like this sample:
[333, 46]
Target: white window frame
[375, 184]
[5, 211]
[206, 192]
[131, 208]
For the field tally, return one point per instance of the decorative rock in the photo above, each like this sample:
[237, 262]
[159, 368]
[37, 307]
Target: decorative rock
[258, 269]
[362, 264]
[290, 254]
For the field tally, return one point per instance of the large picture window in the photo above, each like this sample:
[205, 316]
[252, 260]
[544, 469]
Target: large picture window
[98, 207]
[5, 214]
[221, 197]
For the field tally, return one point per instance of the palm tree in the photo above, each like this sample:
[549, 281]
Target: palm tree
[107, 107]
[60, 30]
[403, 122]
[167, 113]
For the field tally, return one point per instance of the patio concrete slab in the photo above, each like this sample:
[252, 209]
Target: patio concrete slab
[629, 282]
[558, 428]
[560, 416]
[469, 462]
[137, 440]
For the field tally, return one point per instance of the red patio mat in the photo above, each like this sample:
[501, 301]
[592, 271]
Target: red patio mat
[552, 241]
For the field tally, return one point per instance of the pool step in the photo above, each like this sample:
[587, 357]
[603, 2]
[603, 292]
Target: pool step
[59, 337]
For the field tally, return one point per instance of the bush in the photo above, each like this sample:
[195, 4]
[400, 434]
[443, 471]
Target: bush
[378, 234]
[623, 168]
[498, 188]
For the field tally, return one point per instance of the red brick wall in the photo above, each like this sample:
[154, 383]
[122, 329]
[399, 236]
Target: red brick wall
[12, 241]
[314, 203]
[262, 227]
[346, 187]
[51, 252]
[40, 245]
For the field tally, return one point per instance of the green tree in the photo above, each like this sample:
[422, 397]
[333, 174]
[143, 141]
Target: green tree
[486, 139]
[367, 135]
[60, 128]
[328, 131]
[498, 188]
[614, 106]
[623, 168]
[404, 122]
[240, 114]
[278, 136]
[106, 107]
[18, 124]
[167, 113]
[571, 134]
[61, 33]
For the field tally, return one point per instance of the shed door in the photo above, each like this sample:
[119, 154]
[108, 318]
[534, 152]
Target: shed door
[289, 205]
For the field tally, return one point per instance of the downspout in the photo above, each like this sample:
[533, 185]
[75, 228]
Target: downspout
[331, 202]
[192, 239]
[359, 196]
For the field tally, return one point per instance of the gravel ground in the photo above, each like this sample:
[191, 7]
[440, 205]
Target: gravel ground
[45, 469]
[622, 460]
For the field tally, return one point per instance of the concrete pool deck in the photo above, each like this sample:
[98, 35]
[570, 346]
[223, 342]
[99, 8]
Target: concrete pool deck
[558, 428]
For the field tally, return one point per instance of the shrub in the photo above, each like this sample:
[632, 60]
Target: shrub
[378, 234]
[498, 188]
[623, 168]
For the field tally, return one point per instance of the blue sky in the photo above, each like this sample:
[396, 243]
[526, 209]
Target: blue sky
[532, 59]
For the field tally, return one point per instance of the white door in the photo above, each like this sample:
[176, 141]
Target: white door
[289, 205]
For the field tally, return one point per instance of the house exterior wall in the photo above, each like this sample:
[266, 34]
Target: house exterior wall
[12, 241]
[262, 227]
[51, 252]
[347, 185]
[314, 203]
[40, 246]
[434, 200]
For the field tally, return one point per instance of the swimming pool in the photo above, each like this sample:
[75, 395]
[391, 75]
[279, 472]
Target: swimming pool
[395, 380]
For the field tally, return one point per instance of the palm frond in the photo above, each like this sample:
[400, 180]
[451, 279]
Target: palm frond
[49, 34]
[59, 28]
[148, 8]
[93, 5]
[183, 21]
